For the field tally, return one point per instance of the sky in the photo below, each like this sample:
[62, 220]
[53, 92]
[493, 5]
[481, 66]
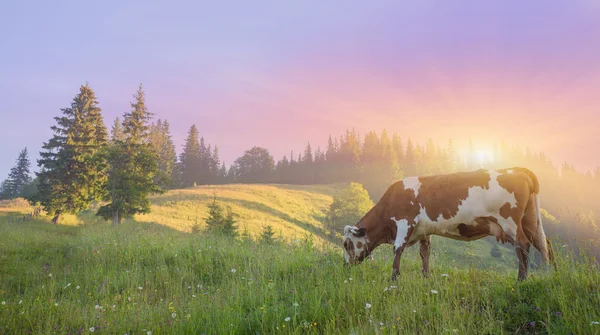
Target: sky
[281, 73]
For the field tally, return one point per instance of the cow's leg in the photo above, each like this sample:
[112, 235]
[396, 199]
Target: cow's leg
[396, 264]
[425, 248]
[522, 250]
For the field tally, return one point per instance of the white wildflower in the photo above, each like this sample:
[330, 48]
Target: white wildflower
[385, 289]
[173, 315]
[148, 333]
[434, 291]
[77, 288]
[98, 307]
[92, 329]
[414, 310]
[140, 288]
[4, 303]
[56, 304]
[193, 295]
[564, 246]
[232, 270]
[368, 305]
[20, 301]
[595, 323]
[445, 275]
[350, 278]
[69, 284]
[287, 319]
[296, 304]
[393, 287]
[50, 275]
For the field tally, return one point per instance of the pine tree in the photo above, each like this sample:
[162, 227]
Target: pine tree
[391, 170]
[204, 168]
[162, 145]
[495, 251]
[214, 166]
[116, 133]
[136, 123]
[18, 178]
[430, 159]
[267, 236]
[410, 163]
[307, 176]
[190, 158]
[223, 173]
[452, 162]
[132, 167]
[399, 150]
[4, 190]
[221, 221]
[73, 171]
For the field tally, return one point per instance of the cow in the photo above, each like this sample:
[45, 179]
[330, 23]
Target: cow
[463, 206]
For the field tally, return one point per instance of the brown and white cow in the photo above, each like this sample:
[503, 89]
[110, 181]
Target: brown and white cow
[463, 206]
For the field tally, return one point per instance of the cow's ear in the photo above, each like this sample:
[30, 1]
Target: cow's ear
[360, 232]
[348, 229]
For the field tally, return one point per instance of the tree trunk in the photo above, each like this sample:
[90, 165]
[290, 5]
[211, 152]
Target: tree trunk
[116, 219]
[56, 218]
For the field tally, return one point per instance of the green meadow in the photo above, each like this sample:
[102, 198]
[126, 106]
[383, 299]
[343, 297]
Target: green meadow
[152, 275]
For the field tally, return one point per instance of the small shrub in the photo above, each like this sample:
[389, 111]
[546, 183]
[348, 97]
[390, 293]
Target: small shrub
[495, 252]
[219, 221]
[267, 236]
[349, 207]
[245, 235]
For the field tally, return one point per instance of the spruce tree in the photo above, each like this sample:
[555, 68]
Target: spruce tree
[398, 149]
[223, 173]
[307, 176]
[204, 168]
[410, 163]
[133, 167]
[214, 167]
[116, 132]
[18, 178]
[162, 145]
[190, 159]
[4, 190]
[73, 170]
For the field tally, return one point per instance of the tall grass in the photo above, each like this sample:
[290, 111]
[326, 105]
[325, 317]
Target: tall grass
[141, 277]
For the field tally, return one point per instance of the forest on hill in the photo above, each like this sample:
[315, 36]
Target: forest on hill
[138, 157]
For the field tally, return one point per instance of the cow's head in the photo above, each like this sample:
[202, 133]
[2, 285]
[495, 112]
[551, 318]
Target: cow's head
[355, 245]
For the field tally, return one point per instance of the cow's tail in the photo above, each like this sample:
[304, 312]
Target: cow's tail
[542, 243]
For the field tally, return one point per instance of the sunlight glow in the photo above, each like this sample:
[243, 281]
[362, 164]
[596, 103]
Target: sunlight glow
[483, 157]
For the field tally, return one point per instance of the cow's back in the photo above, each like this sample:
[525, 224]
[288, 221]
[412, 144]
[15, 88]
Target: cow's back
[441, 203]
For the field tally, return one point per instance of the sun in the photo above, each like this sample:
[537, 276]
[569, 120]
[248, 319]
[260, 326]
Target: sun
[483, 156]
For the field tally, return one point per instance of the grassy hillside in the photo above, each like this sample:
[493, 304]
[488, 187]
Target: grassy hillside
[140, 278]
[293, 211]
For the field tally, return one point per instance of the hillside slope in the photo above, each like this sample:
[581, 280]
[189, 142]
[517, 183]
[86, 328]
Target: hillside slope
[292, 211]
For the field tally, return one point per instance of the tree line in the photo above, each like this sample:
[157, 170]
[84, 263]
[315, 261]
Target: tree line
[83, 163]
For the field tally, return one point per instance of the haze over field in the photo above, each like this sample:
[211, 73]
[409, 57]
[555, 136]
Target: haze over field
[279, 74]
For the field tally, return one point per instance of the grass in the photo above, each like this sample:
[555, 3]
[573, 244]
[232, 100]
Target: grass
[145, 277]
[292, 211]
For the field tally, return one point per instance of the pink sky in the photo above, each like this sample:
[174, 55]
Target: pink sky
[282, 74]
